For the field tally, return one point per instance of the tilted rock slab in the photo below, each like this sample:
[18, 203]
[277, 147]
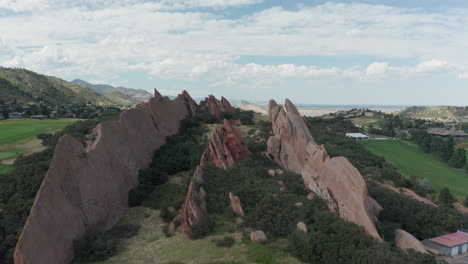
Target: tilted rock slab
[236, 205]
[216, 107]
[226, 147]
[405, 240]
[87, 188]
[334, 179]
[194, 207]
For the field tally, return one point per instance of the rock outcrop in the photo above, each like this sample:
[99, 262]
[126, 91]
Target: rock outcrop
[258, 236]
[405, 240]
[236, 205]
[216, 107]
[87, 188]
[301, 226]
[194, 207]
[334, 179]
[226, 147]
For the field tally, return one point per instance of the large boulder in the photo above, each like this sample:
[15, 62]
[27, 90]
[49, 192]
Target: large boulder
[226, 147]
[258, 236]
[405, 240]
[335, 179]
[87, 188]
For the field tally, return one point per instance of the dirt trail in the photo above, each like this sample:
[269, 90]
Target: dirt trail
[9, 161]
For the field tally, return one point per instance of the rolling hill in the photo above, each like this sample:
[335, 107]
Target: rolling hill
[123, 95]
[437, 113]
[26, 86]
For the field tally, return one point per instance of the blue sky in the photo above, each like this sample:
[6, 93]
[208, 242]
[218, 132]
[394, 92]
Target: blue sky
[317, 52]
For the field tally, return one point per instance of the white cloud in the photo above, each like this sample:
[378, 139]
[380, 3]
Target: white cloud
[175, 40]
[377, 68]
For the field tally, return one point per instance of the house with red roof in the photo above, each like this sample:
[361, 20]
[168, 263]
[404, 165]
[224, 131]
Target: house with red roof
[450, 245]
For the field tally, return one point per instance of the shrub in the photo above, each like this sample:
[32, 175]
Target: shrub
[227, 241]
[446, 196]
[94, 246]
[165, 230]
[203, 228]
[465, 202]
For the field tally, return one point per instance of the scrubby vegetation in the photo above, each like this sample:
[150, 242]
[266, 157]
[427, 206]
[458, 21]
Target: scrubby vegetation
[96, 246]
[421, 220]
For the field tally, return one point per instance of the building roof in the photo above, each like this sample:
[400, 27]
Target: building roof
[356, 135]
[447, 132]
[451, 240]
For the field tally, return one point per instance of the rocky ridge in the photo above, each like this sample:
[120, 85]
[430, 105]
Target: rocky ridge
[225, 148]
[87, 188]
[216, 107]
[334, 179]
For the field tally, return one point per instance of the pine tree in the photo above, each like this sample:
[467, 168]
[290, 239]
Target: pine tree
[446, 197]
[458, 158]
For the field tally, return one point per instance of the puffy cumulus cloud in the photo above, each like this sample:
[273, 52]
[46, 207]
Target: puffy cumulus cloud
[377, 68]
[432, 66]
[178, 40]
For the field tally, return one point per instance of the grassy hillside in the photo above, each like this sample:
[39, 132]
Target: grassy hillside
[19, 137]
[26, 86]
[121, 95]
[412, 161]
[437, 113]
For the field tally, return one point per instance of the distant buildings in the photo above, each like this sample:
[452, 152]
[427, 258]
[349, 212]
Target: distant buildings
[15, 115]
[450, 245]
[357, 136]
[442, 132]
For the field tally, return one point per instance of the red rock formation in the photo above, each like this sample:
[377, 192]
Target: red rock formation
[217, 107]
[236, 205]
[405, 240]
[88, 188]
[194, 207]
[225, 148]
[334, 179]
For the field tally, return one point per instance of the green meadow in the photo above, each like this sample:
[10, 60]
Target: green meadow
[18, 136]
[412, 161]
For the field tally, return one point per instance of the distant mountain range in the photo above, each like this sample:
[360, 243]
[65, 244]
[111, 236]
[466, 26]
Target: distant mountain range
[122, 95]
[26, 86]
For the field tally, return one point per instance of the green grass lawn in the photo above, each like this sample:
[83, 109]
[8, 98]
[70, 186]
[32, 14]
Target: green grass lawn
[412, 161]
[367, 121]
[18, 136]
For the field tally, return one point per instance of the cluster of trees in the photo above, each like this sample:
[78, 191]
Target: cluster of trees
[443, 148]
[421, 220]
[246, 117]
[384, 132]
[391, 122]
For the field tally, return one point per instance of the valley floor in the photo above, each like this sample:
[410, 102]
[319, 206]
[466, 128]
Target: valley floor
[18, 136]
[412, 161]
[150, 245]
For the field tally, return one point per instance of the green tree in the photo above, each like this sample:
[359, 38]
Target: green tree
[446, 196]
[465, 202]
[458, 158]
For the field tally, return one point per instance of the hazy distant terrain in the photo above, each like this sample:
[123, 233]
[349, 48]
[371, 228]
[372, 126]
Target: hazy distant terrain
[319, 110]
[123, 95]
